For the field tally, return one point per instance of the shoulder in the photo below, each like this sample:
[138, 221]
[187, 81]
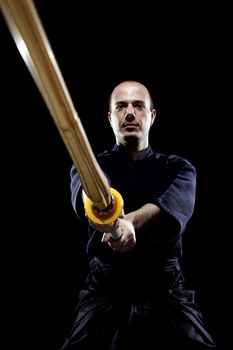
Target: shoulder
[173, 161]
[104, 154]
[108, 155]
[171, 158]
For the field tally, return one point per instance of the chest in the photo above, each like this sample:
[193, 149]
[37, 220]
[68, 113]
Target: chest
[138, 182]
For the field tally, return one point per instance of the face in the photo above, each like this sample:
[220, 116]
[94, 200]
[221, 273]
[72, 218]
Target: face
[131, 116]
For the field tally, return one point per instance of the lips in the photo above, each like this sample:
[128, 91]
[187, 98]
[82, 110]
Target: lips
[130, 125]
[130, 128]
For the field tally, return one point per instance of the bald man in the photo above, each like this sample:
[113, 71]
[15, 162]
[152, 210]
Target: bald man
[135, 294]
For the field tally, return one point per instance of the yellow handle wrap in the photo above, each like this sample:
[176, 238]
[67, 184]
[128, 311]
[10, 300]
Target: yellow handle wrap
[103, 217]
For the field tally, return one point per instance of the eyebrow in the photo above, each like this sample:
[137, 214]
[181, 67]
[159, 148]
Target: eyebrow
[134, 101]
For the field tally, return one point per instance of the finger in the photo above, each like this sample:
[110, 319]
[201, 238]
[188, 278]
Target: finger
[122, 214]
[106, 237]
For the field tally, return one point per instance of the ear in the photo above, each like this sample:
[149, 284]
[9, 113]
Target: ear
[110, 118]
[153, 116]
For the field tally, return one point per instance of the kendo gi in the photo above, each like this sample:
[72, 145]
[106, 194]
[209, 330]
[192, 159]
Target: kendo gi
[138, 298]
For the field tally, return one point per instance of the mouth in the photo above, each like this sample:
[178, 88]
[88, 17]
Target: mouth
[130, 126]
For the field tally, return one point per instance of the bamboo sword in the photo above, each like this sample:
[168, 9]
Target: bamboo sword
[102, 203]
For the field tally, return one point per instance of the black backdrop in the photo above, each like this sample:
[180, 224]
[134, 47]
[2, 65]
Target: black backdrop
[182, 59]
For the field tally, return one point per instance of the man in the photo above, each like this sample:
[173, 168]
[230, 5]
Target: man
[135, 293]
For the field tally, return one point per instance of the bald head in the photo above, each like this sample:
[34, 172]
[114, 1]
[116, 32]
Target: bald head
[128, 88]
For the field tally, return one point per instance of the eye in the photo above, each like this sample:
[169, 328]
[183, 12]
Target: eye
[139, 104]
[120, 106]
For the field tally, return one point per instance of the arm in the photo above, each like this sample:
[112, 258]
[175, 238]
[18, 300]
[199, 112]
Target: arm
[144, 218]
[134, 222]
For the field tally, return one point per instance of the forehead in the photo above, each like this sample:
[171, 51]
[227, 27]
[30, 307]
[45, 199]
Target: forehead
[132, 92]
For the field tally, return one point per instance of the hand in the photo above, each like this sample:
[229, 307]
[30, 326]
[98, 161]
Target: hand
[105, 227]
[127, 240]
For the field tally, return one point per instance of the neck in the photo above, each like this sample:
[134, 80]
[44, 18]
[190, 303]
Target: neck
[134, 150]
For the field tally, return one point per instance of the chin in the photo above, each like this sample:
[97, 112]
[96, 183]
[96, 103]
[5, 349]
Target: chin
[132, 138]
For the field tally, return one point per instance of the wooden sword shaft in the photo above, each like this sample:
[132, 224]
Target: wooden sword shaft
[26, 28]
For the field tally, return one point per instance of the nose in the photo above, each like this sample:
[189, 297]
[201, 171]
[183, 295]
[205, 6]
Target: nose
[130, 113]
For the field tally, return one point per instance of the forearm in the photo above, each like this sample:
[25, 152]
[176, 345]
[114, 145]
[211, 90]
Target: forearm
[139, 220]
[142, 219]
[145, 217]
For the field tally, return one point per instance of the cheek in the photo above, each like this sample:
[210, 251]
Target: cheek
[115, 123]
[115, 126]
[146, 124]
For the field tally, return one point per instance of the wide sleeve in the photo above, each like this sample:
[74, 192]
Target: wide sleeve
[76, 192]
[177, 199]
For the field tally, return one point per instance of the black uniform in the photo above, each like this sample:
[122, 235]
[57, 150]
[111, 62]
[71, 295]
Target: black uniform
[137, 298]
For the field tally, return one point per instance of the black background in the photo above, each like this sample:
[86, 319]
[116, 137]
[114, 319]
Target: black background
[182, 55]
